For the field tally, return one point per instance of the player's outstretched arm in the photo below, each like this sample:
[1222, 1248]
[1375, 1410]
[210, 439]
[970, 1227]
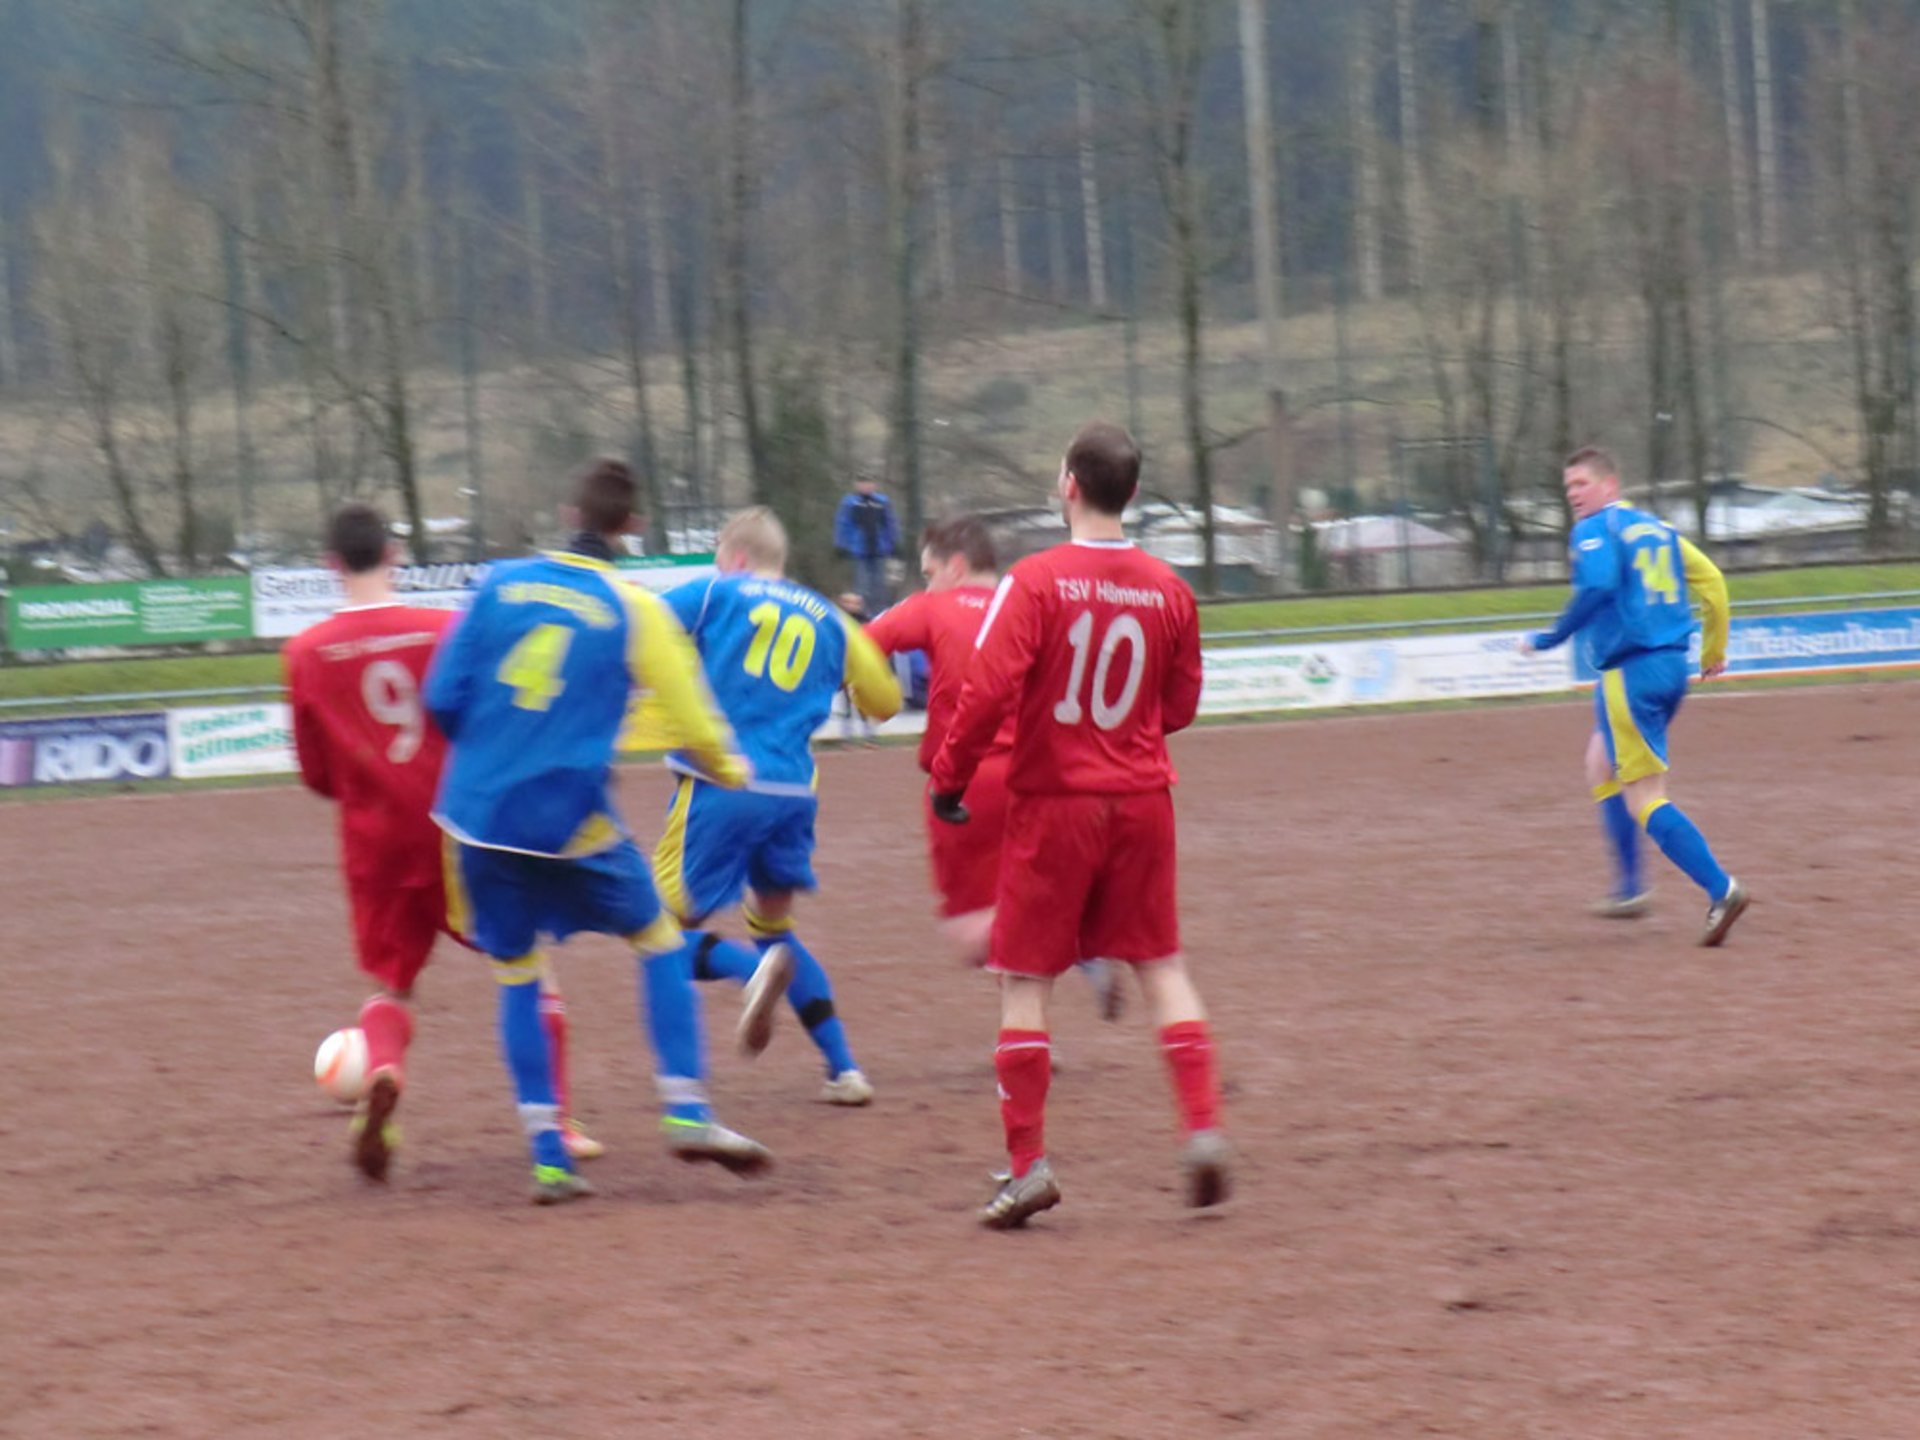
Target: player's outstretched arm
[870, 679]
[1003, 655]
[662, 660]
[1596, 575]
[903, 627]
[1707, 585]
[1584, 605]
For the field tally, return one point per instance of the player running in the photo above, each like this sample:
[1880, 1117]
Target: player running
[363, 740]
[1095, 648]
[775, 654]
[958, 563]
[1633, 578]
[531, 689]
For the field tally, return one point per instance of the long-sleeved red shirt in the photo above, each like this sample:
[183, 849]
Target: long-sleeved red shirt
[364, 739]
[945, 624]
[1094, 647]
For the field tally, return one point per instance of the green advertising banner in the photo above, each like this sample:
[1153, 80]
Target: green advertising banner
[134, 612]
[663, 572]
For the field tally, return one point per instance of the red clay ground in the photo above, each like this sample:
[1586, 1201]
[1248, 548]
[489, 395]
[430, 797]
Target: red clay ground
[1508, 1171]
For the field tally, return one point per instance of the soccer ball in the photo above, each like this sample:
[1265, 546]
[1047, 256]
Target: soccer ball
[341, 1065]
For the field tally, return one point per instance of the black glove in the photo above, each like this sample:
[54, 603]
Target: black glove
[947, 807]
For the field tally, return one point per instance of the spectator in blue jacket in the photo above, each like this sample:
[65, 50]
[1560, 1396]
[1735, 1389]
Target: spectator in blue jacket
[864, 530]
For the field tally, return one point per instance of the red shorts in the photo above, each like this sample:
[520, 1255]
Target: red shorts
[1084, 876]
[966, 858]
[394, 927]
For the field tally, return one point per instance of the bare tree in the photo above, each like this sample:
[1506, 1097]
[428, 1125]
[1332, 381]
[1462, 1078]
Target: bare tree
[1871, 197]
[736, 223]
[1364, 142]
[1266, 258]
[1175, 36]
[1090, 211]
[1733, 109]
[1766, 132]
[1413, 186]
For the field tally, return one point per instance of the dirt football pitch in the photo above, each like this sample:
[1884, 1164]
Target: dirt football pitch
[1506, 1170]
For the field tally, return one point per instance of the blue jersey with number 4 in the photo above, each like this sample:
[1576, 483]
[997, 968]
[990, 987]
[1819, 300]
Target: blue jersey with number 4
[531, 689]
[1635, 562]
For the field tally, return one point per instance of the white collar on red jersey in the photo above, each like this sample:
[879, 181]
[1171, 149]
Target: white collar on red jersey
[376, 605]
[1104, 544]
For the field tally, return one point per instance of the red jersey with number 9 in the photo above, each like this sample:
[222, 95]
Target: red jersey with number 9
[363, 737]
[1095, 646]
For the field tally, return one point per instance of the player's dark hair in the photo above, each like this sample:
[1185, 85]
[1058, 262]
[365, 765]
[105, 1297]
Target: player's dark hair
[1105, 461]
[963, 535]
[358, 535]
[604, 495]
[1593, 458]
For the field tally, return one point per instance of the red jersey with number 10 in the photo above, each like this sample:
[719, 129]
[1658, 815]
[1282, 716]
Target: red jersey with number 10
[1095, 647]
[363, 737]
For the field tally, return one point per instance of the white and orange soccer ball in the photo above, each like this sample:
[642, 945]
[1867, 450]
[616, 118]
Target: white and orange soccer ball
[341, 1065]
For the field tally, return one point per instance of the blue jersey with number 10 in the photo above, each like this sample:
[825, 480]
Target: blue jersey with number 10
[774, 654]
[1636, 561]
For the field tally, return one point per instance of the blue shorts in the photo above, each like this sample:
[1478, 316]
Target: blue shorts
[718, 842]
[514, 899]
[1634, 703]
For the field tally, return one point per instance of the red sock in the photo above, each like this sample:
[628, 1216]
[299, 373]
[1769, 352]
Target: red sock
[553, 1015]
[1024, 1062]
[388, 1025]
[1188, 1047]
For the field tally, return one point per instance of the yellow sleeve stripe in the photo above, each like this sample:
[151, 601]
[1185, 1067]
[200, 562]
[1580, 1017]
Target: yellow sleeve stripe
[662, 660]
[874, 686]
[1709, 587]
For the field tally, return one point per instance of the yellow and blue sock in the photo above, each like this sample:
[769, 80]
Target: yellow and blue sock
[1681, 842]
[1623, 835]
[810, 994]
[523, 1044]
[672, 1020]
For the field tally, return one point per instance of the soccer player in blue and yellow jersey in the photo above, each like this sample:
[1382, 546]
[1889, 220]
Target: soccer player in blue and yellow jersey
[530, 691]
[775, 654]
[1633, 578]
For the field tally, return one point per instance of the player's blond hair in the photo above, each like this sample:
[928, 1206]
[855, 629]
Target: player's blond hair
[757, 537]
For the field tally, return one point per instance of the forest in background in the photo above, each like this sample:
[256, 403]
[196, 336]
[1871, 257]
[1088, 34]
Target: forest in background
[257, 255]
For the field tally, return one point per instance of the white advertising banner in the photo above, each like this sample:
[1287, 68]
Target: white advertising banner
[285, 602]
[1452, 667]
[231, 740]
[1273, 677]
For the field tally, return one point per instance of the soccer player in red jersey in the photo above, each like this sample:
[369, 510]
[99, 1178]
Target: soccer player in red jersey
[958, 563]
[1094, 648]
[363, 740]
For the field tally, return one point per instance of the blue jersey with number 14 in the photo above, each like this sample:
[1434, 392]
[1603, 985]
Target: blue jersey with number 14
[1636, 561]
[774, 653]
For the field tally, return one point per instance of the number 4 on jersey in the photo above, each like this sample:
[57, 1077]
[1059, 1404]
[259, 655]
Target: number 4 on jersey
[532, 667]
[1107, 716]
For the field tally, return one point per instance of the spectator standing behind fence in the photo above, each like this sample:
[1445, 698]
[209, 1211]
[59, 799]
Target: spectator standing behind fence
[864, 529]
